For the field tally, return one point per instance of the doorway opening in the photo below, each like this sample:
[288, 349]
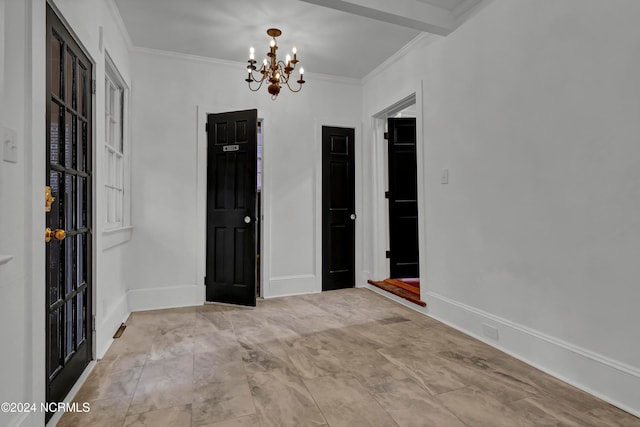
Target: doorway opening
[396, 130]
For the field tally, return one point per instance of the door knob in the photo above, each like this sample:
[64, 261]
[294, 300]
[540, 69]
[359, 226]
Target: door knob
[58, 234]
[353, 217]
[247, 219]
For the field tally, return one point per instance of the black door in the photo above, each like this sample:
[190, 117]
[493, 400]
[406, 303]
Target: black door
[338, 208]
[403, 199]
[68, 220]
[231, 207]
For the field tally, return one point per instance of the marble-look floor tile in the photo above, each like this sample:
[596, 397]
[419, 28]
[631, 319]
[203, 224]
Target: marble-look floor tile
[281, 399]
[262, 355]
[611, 417]
[211, 370]
[476, 408]
[124, 361]
[345, 402]
[104, 385]
[486, 375]
[161, 393]
[177, 416]
[412, 406]
[246, 421]
[178, 368]
[348, 357]
[215, 402]
[102, 413]
[538, 411]
[210, 322]
[222, 342]
[169, 346]
[371, 376]
[312, 362]
[429, 371]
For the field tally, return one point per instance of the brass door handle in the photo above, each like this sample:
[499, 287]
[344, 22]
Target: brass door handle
[58, 234]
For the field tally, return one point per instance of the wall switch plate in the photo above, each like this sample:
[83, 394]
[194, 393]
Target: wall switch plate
[490, 331]
[444, 178]
[9, 146]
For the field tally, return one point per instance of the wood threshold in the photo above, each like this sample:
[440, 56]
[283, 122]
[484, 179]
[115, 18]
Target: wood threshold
[399, 291]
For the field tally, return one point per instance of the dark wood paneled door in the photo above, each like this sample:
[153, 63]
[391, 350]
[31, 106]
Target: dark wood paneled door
[231, 207]
[68, 241]
[338, 208]
[403, 198]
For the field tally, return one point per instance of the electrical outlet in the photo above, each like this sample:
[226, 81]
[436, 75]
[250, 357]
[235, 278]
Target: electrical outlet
[490, 331]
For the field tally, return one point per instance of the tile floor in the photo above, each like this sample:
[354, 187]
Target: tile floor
[340, 358]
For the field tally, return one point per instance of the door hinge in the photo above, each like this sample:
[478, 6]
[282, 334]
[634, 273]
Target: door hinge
[387, 254]
[206, 127]
[93, 86]
[386, 135]
[387, 194]
[93, 323]
[205, 280]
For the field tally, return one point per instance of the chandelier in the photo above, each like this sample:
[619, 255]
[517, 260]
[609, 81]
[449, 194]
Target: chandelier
[277, 73]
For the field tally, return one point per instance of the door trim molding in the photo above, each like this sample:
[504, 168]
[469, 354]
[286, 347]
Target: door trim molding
[380, 222]
[201, 199]
[319, 122]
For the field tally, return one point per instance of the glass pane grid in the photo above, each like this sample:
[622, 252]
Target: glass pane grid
[114, 149]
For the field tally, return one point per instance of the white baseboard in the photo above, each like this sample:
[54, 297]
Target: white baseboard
[165, 297]
[598, 375]
[291, 285]
[110, 324]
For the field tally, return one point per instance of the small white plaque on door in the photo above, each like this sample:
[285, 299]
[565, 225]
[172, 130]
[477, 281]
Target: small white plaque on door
[233, 147]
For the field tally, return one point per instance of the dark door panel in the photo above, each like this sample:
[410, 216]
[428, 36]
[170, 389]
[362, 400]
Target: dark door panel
[68, 172]
[403, 199]
[231, 207]
[338, 208]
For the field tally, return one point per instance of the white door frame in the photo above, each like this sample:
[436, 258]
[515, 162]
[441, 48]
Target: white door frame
[380, 214]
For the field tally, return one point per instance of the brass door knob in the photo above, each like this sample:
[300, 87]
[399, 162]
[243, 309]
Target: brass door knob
[58, 234]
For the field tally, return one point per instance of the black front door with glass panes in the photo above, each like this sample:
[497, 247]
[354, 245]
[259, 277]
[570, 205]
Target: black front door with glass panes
[68, 220]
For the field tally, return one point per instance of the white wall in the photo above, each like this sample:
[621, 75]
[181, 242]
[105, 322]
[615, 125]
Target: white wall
[22, 222]
[171, 96]
[533, 107]
[15, 378]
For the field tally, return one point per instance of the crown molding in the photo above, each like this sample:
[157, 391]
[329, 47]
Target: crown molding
[186, 56]
[240, 65]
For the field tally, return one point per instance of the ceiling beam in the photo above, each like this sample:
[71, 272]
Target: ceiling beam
[406, 13]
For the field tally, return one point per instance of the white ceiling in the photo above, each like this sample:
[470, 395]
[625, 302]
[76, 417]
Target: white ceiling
[346, 38]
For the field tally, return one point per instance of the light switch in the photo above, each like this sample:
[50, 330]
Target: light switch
[10, 147]
[445, 176]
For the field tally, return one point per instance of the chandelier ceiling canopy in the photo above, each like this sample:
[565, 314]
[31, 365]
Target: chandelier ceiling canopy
[276, 72]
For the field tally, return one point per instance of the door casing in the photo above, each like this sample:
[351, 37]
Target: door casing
[344, 215]
[378, 238]
[231, 210]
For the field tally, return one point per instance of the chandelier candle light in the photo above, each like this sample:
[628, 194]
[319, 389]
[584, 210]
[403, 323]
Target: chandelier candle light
[277, 73]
